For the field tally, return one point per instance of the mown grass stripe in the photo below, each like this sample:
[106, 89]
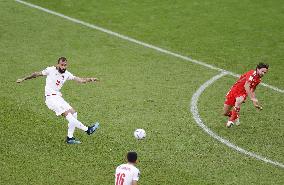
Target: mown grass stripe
[140, 42]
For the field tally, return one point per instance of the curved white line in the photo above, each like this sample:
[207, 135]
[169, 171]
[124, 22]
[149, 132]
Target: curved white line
[194, 111]
[195, 97]
[139, 42]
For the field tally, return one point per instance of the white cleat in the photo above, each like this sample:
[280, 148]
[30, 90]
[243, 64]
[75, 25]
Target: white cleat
[229, 124]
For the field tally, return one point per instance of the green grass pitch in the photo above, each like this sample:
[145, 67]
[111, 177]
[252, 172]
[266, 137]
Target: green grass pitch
[140, 88]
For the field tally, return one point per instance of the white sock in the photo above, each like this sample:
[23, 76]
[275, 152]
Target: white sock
[71, 129]
[75, 115]
[75, 122]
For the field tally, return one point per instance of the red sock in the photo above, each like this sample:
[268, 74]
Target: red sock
[234, 114]
[229, 114]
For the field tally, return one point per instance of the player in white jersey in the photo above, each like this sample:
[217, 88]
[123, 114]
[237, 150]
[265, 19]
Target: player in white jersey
[128, 174]
[56, 76]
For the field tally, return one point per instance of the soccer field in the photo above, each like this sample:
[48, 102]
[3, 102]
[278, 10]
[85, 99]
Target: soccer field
[152, 58]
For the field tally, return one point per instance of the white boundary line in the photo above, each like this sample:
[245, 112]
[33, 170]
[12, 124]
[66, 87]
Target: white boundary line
[196, 116]
[195, 97]
[139, 42]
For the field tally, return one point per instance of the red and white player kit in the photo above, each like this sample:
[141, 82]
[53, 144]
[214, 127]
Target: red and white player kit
[128, 174]
[125, 174]
[238, 89]
[56, 76]
[245, 86]
[54, 82]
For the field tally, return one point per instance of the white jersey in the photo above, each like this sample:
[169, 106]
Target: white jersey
[55, 80]
[125, 174]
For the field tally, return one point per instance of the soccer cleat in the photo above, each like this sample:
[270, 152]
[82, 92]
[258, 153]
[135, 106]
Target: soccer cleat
[229, 124]
[72, 141]
[238, 122]
[93, 128]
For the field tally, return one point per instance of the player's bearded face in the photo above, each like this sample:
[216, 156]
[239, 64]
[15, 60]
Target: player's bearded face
[61, 70]
[62, 67]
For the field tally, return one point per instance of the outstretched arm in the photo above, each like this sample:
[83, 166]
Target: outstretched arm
[251, 95]
[33, 75]
[85, 80]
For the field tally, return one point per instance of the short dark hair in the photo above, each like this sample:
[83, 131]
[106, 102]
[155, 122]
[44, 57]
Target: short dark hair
[63, 59]
[262, 65]
[132, 157]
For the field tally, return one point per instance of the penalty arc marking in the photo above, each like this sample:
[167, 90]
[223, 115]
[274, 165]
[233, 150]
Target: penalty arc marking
[200, 123]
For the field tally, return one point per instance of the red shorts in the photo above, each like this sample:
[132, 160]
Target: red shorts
[231, 97]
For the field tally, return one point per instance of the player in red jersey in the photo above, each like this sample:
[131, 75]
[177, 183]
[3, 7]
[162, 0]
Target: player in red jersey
[245, 86]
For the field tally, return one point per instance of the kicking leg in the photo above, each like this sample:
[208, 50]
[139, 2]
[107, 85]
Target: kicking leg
[71, 116]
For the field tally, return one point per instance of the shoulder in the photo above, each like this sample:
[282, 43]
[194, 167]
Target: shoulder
[120, 166]
[69, 75]
[48, 70]
[250, 72]
[135, 173]
[250, 75]
[68, 72]
[135, 169]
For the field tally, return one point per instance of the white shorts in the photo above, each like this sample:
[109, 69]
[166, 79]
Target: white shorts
[57, 104]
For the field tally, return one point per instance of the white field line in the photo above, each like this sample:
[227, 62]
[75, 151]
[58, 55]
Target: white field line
[194, 108]
[196, 116]
[139, 42]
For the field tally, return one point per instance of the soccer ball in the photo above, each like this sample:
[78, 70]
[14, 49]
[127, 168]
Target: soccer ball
[139, 133]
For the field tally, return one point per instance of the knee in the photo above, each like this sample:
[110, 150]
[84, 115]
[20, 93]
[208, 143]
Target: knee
[71, 111]
[237, 108]
[226, 114]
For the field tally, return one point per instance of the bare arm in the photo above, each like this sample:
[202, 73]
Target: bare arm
[85, 80]
[134, 182]
[33, 75]
[251, 95]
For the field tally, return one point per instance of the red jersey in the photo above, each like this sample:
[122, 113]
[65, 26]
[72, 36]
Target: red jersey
[251, 77]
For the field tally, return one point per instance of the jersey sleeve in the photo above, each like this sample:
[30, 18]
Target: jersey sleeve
[70, 76]
[46, 71]
[136, 175]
